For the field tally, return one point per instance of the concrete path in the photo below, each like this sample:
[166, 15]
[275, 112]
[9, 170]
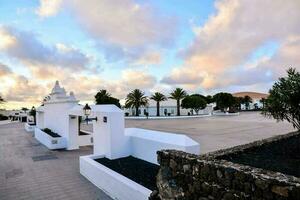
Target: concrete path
[28, 170]
[219, 132]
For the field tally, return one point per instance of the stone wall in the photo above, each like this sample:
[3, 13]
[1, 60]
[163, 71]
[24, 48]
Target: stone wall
[186, 176]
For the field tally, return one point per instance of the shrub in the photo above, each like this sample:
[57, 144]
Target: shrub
[283, 102]
[3, 117]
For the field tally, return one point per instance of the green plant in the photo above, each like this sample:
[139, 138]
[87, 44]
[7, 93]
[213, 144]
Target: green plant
[158, 97]
[103, 97]
[177, 95]
[283, 102]
[262, 101]
[3, 117]
[247, 100]
[224, 100]
[238, 102]
[136, 99]
[194, 102]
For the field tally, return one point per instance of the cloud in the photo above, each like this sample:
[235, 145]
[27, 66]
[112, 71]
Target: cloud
[15, 87]
[25, 47]
[48, 8]
[149, 58]
[4, 70]
[121, 28]
[222, 46]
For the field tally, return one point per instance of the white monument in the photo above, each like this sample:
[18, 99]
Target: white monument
[110, 138]
[53, 114]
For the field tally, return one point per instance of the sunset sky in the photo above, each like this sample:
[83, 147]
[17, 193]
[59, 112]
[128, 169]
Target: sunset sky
[203, 46]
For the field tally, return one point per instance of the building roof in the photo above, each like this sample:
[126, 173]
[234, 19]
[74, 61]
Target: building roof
[253, 95]
[107, 108]
[59, 95]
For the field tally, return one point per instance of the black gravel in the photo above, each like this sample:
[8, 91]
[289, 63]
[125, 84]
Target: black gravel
[280, 156]
[139, 171]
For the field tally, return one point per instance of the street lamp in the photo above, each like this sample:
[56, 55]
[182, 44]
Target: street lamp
[87, 112]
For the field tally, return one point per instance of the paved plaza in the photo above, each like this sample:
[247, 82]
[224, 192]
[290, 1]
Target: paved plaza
[217, 132]
[28, 170]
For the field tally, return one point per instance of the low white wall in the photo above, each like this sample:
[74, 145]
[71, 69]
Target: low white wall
[114, 184]
[225, 114]
[3, 122]
[29, 128]
[84, 140]
[169, 117]
[145, 143]
[48, 141]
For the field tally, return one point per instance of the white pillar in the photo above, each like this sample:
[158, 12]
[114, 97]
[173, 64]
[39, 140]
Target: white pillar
[108, 133]
[73, 133]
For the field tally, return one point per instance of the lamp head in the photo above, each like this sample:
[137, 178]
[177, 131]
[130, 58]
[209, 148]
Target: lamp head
[87, 110]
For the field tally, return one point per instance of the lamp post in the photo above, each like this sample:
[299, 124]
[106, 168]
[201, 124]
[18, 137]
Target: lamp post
[33, 114]
[87, 112]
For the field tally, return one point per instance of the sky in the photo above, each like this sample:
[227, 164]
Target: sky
[119, 45]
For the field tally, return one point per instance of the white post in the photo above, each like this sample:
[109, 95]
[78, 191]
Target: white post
[109, 137]
[73, 133]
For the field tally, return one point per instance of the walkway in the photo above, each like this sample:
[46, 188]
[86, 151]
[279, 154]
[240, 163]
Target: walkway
[28, 170]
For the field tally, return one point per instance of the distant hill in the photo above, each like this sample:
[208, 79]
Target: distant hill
[253, 95]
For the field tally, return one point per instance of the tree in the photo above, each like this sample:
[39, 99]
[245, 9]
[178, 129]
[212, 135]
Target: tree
[224, 100]
[247, 100]
[263, 101]
[136, 99]
[177, 95]
[103, 97]
[238, 102]
[209, 99]
[194, 102]
[25, 109]
[158, 97]
[283, 102]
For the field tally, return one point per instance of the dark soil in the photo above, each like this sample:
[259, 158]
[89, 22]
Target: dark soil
[83, 133]
[51, 133]
[280, 156]
[139, 171]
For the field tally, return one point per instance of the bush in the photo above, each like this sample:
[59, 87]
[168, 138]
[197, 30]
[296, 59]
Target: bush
[126, 114]
[3, 117]
[283, 102]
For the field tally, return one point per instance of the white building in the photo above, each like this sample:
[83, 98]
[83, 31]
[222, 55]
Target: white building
[54, 115]
[15, 115]
[167, 108]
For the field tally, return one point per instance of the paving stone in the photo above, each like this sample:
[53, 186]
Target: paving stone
[44, 157]
[29, 171]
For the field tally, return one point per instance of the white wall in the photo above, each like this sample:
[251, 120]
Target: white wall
[109, 138]
[145, 143]
[114, 184]
[56, 117]
[72, 132]
[48, 141]
[40, 120]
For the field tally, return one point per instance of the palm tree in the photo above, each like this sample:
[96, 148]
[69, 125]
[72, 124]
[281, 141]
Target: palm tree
[135, 99]
[247, 101]
[263, 102]
[158, 97]
[178, 94]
